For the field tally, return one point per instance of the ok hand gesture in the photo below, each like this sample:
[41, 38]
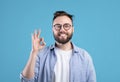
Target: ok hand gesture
[37, 42]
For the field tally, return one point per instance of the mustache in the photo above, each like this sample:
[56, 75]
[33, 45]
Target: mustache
[62, 33]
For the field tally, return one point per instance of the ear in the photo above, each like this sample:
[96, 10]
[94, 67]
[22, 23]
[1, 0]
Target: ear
[52, 29]
[73, 29]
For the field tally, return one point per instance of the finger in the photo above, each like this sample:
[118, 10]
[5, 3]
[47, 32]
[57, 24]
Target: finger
[43, 42]
[38, 33]
[35, 34]
[40, 40]
[42, 45]
[32, 35]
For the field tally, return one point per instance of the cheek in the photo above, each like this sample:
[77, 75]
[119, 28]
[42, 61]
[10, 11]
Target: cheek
[55, 33]
[70, 31]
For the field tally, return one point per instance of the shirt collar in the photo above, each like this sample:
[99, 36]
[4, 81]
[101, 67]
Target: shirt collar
[75, 48]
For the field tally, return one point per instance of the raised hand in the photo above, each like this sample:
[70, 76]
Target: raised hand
[37, 42]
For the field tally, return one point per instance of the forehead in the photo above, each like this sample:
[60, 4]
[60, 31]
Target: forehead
[62, 20]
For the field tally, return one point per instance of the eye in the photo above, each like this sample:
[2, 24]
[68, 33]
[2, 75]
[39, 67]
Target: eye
[57, 26]
[67, 25]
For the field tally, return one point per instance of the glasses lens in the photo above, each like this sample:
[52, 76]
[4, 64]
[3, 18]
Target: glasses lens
[57, 26]
[67, 26]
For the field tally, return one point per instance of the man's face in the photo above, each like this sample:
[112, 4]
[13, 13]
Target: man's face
[62, 29]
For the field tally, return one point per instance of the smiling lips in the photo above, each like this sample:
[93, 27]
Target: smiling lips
[62, 34]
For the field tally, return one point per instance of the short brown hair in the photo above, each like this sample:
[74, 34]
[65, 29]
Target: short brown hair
[62, 13]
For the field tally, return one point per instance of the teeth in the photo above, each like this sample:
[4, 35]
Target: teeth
[62, 35]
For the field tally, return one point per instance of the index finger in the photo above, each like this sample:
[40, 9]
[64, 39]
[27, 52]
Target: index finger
[38, 33]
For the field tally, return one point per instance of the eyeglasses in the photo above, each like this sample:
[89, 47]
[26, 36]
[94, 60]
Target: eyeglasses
[66, 26]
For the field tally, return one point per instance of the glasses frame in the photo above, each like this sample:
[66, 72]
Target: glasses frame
[59, 26]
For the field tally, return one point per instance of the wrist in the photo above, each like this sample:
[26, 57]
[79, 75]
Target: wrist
[34, 53]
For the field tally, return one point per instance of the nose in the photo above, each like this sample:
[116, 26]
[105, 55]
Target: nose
[62, 29]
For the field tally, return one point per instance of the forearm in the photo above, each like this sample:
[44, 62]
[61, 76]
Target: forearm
[28, 71]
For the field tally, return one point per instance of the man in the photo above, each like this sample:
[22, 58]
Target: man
[61, 62]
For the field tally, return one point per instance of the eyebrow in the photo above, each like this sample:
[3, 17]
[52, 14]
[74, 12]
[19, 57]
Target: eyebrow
[61, 24]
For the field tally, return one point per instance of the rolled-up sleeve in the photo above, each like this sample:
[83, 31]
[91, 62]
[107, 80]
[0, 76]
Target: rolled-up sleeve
[34, 79]
[23, 79]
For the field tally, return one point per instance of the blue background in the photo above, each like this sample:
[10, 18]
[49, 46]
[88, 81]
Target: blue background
[97, 29]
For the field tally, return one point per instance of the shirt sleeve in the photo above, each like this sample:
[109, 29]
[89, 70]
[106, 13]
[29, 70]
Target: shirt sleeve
[91, 75]
[23, 79]
[35, 78]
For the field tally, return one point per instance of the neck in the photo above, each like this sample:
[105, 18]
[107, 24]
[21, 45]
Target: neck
[66, 46]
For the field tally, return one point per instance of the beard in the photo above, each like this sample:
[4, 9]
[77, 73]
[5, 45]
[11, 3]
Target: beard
[63, 40]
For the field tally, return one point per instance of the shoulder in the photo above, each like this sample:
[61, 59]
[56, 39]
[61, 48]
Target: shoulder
[82, 53]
